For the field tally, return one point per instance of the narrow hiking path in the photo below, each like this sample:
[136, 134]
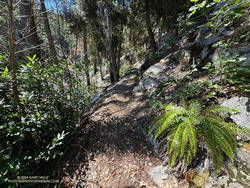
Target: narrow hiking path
[119, 154]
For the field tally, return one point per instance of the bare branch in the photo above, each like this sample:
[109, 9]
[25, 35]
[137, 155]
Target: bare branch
[3, 47]
[33, 47]
[17, 3]
[24, 37]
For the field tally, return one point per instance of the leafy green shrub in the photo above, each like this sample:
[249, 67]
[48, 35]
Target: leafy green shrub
[206, 90]
[231, 67]
[51, 103]
[169, 42]
[189, 125]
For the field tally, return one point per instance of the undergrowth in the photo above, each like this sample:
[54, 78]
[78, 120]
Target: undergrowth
[51, 100]
[191, 124]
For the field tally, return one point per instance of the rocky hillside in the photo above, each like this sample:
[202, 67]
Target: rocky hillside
[198, 68]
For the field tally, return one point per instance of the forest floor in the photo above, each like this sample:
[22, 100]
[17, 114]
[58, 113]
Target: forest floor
[113, 151]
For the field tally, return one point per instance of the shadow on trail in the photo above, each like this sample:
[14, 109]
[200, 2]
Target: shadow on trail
[116, 131]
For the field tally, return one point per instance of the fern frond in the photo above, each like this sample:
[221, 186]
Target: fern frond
[169, 107]
[170, 118]
[157, 122]
[184, 141]
[227, 127]
[188, 158]
[223, 137]
[182, 126]
[242, 130]
[189, 138]
[217, 156]
[175, 146]
[192, 137]
[220, 110]
[160, 120]
[194, 107]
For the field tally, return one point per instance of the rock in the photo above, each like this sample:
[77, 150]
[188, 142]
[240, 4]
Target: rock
[185, 57]
[209, 41]
[146, 84]
[246, 147]
[200, 179]
[228, 33]
[246, 61]
[157, 69]
[158, 174]
[216, 59]
[137, 91]
[242, 104]
[235, 185]
[244, 156]
[149, 83]
[204, 53]
[242, 50]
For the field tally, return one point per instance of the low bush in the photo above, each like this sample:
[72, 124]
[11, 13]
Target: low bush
[191, 124]
[51, 99]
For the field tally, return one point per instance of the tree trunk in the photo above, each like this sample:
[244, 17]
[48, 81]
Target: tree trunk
[153, 46]
[114, 71]
[100, 64]
[119, 51]
[85, 51]
[95, 67]
[52, 48]
[11, 47]
[28, 28]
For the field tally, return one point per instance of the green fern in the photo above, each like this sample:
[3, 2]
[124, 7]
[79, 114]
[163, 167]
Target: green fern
[187, 125]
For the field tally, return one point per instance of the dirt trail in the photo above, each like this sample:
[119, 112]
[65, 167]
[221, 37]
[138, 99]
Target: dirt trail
[119, 155]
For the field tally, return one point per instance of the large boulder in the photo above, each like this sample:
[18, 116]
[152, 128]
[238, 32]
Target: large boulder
[242, 104]
[147, 85]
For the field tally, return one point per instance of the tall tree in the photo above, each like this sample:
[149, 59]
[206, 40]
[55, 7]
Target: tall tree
[85, 53]
[99, 59]
[114, 69]
[28, 29]
[84, 6]
[153, 46]
[52, 49]
[11, 49]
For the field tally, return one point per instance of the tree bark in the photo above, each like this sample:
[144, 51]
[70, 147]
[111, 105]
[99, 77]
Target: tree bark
[100, 65]
[119, 51]
[52, 49]
[153, 46]
[28, 27]
[11, 47]
[114, 71]
[85, 51]
[95, 67]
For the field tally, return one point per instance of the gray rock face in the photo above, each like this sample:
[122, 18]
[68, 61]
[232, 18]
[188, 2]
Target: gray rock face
[158, 174]
[242, 50]
[209, 41]
[242, 104]
[146, 85]
[244, 157]
[152, 77]
[246, 62]
[156, 70]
